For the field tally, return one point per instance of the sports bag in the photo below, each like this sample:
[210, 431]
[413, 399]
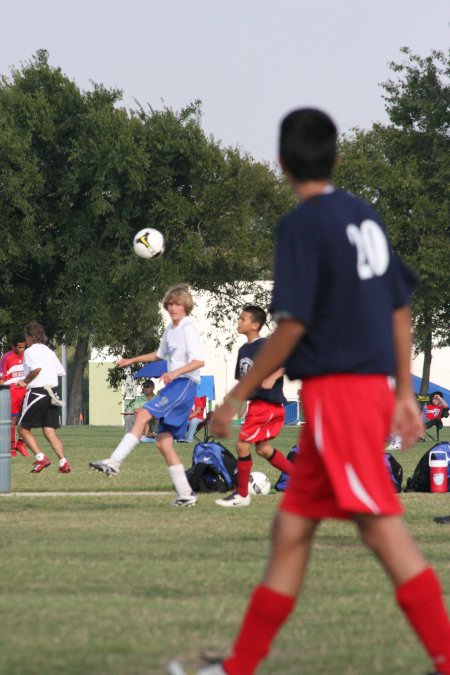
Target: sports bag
[214, 468]
[282, 482]
[395, 470]
[420, 480]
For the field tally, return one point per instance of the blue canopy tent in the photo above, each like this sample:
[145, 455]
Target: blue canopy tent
[431, 387]
[157, 368]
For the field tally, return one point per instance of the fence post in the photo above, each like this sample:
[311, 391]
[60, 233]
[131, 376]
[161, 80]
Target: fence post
[5, 439]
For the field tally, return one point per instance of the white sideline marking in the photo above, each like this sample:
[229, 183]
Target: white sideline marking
[84, 494]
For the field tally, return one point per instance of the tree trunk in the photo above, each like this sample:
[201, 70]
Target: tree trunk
[423, 394]
[76, 386]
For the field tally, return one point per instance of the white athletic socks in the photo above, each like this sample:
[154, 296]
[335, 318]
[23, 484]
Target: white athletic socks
[126, 445]
[179, 480]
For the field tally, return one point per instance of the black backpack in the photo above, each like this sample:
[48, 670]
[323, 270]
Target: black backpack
[420, 480]
[214, 468]
[395, 470]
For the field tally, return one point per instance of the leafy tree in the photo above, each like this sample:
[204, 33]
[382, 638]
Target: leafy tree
[403, 169]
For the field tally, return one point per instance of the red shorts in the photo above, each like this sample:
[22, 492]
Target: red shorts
[17, 396]
[263, 421]
[340, 468]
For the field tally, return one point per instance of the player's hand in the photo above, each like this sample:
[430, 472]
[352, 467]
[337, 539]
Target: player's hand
[123, 363]
[21, 383]
[268, 382]
[407, 421]
[166, 378]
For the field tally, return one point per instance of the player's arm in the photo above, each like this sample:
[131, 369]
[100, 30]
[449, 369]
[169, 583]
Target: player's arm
[188, 368]
[143, 358]
[272, 355]
[269, 382]
[406, 420]
[30, 377]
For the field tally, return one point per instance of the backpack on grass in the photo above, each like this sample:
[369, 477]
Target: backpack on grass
[420, 480]
[395, 470]
[214, 468]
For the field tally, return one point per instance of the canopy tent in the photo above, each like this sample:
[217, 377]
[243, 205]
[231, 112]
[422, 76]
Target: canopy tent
[157, 368]
[431, 387]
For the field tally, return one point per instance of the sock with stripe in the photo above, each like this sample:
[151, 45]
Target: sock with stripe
[244, 466]
[280, 462]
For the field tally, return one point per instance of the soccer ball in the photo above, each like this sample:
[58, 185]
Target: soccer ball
[148, 243]
[258, 483]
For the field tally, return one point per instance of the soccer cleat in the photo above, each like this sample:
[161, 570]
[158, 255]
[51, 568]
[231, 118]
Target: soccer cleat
[40, 464]
[106, 467]
[177, 668]
[213, 669]
[235, 500]
[13, 452]
[181, 502]
[21, 447]
[64, 468]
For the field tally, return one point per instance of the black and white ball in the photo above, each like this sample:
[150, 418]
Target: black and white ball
[148, 243]
[258, 483]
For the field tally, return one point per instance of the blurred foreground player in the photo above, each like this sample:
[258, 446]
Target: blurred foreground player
[340, 300]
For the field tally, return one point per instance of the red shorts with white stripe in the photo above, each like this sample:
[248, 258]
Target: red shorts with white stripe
[263, 421]
[17, 396]
[340, 468]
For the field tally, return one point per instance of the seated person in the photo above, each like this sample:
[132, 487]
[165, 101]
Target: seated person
[195, 418]
[434, 411]
[149, 434]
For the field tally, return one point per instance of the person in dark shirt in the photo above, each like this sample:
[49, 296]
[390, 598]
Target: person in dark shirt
[265, 413]
[341, 302]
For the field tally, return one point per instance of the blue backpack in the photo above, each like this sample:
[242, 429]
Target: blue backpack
[214, 468]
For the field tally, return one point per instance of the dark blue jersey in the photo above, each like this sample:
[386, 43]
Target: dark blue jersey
[245, 359]
[336, 272]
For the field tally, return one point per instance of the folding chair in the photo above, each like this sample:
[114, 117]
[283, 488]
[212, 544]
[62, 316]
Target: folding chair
[204, 427]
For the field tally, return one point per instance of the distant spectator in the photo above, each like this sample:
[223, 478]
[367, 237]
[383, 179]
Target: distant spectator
[11, 372]
[434, 411]
[195, 418]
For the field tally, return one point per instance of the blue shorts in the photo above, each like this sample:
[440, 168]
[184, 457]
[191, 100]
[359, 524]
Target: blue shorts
[173, 405]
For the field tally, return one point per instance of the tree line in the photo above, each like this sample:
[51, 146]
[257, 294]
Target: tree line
[80, 174]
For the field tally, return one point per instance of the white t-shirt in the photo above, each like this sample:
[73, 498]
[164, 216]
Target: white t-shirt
[179, 346]
[40, 356]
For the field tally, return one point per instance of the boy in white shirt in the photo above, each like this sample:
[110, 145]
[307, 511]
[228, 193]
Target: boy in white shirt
[40, 406]
[181, 347]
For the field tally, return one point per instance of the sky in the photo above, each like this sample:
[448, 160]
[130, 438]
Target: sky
[248, 61]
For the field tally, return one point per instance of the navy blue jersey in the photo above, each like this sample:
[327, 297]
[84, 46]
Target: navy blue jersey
[336, 272]
[245, 359]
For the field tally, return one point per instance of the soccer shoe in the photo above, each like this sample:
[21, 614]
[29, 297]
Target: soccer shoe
[442, 520]
[22, 448]
[181, 502]
[394, 446]
[106, 467]
[235, 500]
[64, 468]
[177, 668]
[40, 464]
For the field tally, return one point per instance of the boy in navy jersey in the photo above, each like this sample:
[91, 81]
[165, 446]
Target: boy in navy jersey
[341, 301]
[265, 414]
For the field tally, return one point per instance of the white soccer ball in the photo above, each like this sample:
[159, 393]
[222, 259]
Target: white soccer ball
[258, 483]
[148, 243]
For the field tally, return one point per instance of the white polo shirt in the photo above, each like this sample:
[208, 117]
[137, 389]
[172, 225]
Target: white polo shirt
[40, 356]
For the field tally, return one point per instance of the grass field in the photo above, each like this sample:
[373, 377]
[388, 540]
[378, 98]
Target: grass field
[118, 584]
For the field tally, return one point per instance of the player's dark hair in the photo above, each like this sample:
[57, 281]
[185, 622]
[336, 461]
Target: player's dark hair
[308, 140]
[18, 337]
[258, 315]
[36, 332]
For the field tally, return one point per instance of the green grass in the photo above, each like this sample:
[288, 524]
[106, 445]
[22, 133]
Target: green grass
[117, 584]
